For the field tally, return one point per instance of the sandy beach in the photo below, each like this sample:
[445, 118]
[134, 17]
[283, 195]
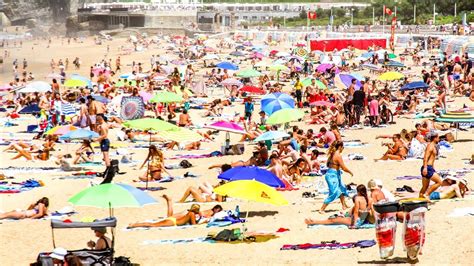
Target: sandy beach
[448, 239]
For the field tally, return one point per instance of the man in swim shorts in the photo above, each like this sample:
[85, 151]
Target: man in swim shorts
[428, 172]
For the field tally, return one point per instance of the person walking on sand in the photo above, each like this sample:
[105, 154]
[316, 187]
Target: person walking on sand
[333, 176]
[103, 130]
[428, 173]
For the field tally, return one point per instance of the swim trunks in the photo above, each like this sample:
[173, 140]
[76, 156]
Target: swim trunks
[430, 171]
[105, 145]
[435, 196]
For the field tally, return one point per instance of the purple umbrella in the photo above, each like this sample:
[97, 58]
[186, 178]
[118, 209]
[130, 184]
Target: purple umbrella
[325, 67]
[227, 126]
[347, 80]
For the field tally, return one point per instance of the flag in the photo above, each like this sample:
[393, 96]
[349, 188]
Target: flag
[388, 11]
[312, 15]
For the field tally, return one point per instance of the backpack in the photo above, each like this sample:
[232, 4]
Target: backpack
[185, 164]
[228, 235]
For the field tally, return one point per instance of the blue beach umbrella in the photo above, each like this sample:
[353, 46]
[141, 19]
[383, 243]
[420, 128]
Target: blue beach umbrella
[393, 63]
[414, 86]
[252, 173]
[271, 135]
[227, 65]
[30, 109]
[80, 134]
[276, 101]
[346, 79]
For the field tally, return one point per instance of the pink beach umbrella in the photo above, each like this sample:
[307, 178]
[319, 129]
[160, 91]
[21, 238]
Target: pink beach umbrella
[5, 87]
[145, 96]
[226, 126]
[231, 82]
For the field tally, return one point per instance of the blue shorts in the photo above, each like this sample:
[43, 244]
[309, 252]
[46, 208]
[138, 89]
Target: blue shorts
[105, 145]
[435, 196]
[430, 171]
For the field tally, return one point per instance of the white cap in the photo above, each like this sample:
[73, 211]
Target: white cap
[378, 182]
[58, 253]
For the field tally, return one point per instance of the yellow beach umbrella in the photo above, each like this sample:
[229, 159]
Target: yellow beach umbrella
[180, 135]
[391, 76]
[75, 83]
[253, 191]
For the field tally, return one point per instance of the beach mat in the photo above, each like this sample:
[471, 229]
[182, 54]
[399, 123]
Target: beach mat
[339, 226]
[330, 246]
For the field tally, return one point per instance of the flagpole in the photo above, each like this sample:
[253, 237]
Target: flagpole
[434, 14]
[373, 16]
[455, 11]
[395, 11]
[383, 20]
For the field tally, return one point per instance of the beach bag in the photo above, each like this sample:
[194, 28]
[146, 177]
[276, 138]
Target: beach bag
[122, 261]
[185, 164]
[228, 235]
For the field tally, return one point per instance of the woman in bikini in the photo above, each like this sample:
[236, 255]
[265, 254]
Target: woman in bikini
[333, 178]
[36, 210]
[155, 165]
[85, 153]
[192, 216]
[359, 214]
[295, 171]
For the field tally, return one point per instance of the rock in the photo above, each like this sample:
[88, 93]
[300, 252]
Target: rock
[4, 21]
[31, 23]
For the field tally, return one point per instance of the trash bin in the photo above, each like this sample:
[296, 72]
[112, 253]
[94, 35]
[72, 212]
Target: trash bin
[413, 227]
[386, 227]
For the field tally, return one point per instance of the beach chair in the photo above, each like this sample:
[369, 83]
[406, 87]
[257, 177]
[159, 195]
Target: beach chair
[87, 256]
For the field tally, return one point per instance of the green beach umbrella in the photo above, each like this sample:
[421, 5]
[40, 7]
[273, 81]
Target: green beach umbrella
[278, 67]
[180, 135]
[391, 56]
[307, 81]
[166, 97]
[286, 115]
[75, 83]
[112, 196]
[150, 124]
[249, 73]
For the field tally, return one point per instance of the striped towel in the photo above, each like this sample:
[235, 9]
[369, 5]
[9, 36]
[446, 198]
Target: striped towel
[67, 109]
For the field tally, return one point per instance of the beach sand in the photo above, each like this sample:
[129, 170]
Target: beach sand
[448, 240]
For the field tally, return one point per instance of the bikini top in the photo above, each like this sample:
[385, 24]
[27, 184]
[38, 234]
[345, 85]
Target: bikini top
[330, 164]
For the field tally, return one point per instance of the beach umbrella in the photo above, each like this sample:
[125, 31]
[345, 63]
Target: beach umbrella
[36, 86]
[166, 97]
[251, 190]
[112, 196]
[284, 116]
[75, 83]
[79, 77]
[146, 96]
[252, 173]
[321, 103]
[275, 101]
[278, 67]
[273, 52]
[30, 109]
[247, 43]
[393, 63]
[80, 133]
[257, 55]
[231, 82]
[5, 87]
[371, 67]
[324, 67]
[227, 65]
[60, 130]
[145, 124]
[252, 89]
[307, 81]
[237, 53]
[180, 135]
[54, 76]
[271, 135]
[391, 76]
[346, 79]
[414, 86]
[226, 126]
[249, 73]
[282, 54]
[210, 57]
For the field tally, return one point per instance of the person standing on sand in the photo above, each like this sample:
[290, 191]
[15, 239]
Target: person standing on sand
[428, 173]
[333, 176]
[103, 138]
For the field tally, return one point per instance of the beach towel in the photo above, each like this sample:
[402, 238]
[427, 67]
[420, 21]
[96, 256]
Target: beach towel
[177, 241]
[151, 188]
[330, 245]
[355, 157]
[354, 144]
[18, 187]
[197, 156]
[14, 170]
[460, 212]
[339, 226]
[90, 164]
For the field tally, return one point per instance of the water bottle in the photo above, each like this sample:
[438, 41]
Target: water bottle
[237, 211]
